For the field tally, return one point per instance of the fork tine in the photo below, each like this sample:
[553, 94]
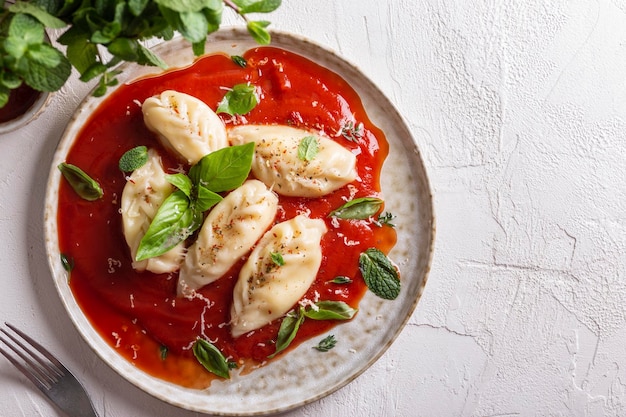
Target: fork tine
[29, 373]
[46, 372]
[55, 366]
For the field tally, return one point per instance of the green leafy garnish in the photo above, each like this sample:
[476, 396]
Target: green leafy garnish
[181, 214]
[258, 31]
[133, 159]
[358, 209]
[85, 186]
[277, 258]
[308, 148]
[330, 310]
[239, 60]
[326, 343]
[240, 100]
[379, 274]
[352, 132]
[97, 36]
[211, 358]
[341, 280]
[322, 310]
[163, 351]
[385, 220]
[67, 262]
[288, 329]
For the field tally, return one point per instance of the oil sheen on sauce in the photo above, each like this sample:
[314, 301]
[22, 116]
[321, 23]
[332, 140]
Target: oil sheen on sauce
[138, 313]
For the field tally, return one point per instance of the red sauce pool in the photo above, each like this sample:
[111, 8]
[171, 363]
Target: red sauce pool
[138, 313]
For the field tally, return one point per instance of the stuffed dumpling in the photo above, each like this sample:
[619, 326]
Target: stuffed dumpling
[143, 194]
[267, 289]
[184, 124]
[230, 230]
[278, 161]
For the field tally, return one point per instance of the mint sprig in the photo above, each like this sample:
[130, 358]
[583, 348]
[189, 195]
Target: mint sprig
[379, 274]
[181, 214]
[100, 35]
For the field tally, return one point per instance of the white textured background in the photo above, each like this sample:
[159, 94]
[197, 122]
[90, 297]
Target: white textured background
[519, 109]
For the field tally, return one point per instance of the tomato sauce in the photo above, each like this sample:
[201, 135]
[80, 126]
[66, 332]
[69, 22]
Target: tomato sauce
[139, 314]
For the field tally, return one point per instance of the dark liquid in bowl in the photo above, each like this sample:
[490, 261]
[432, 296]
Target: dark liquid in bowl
[20, 100]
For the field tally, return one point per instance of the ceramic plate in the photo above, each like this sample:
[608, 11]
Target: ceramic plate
[294, 379]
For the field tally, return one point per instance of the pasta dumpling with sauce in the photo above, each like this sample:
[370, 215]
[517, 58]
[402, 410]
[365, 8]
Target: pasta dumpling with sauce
[278, 164]
[144, 192]
[230, 230]
[266, 289]
[184, 125]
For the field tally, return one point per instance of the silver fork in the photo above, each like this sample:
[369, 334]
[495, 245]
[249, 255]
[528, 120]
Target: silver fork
[47, 373]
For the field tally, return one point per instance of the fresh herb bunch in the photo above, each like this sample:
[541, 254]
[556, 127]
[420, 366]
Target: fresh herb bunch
[100, 34]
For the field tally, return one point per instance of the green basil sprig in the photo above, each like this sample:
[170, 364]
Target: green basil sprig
[358, 209]
[211, 358]
[85, 186]
[323, 310]
[379, 274]
[181, 214]
[241, 99]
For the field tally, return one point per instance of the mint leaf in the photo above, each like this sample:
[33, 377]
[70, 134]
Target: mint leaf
[277, 258]
[308, 148]
[358, 209]
[85, 186]
[257, 6]
[240, 100]
[258, 31]
[224, 169]
[183, 5]
[38, 13]
[44, 78]
[133, 159]
[379, 274]
[330, 310]
[174, 222]
[193, 26]
[211, 358]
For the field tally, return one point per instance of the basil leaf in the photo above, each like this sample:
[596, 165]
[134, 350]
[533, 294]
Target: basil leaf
[380, 275]
[288, 329]
[358, 209]
[326, 343]
[174, 222]
[330, 310]
[133, 159]
[86, 187]
[205, 199]
[308, 148]
[258, 31]
[180, 181]
[240, 100]
[224, 169]
[211, 358]
[239, 60]
[67, 262]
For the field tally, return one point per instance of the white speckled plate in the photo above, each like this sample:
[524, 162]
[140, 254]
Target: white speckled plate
[295, 379]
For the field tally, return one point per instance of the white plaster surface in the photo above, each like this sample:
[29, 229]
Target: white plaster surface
[519, 109]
